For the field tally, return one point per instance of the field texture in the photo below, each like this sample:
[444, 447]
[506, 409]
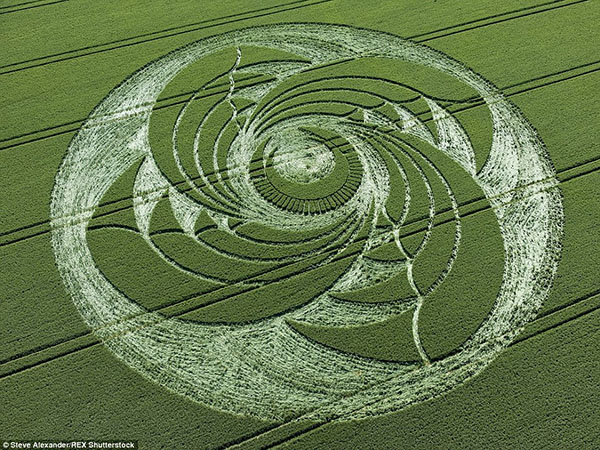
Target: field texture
[306, 224]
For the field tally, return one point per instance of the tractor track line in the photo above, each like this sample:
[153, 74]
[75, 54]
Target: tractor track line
[28, 7]
[542, 7]
[156, 38]
[251, 439]
[474, 105]
[192, 296]
[80, 121]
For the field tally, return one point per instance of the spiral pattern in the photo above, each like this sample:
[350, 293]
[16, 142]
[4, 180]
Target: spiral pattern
[309, 188]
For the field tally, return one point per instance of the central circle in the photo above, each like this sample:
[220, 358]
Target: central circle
[303, 164]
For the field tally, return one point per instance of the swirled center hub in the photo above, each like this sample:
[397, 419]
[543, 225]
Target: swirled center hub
[304, 164]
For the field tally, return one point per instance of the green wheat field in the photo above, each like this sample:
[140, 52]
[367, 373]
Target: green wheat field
[305, 224]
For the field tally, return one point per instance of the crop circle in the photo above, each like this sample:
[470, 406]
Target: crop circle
[305, 181]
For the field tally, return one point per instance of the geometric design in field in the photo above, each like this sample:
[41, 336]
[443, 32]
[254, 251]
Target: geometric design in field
[298, 192]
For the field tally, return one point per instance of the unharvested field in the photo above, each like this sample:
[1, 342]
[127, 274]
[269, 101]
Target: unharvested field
[312, 236]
